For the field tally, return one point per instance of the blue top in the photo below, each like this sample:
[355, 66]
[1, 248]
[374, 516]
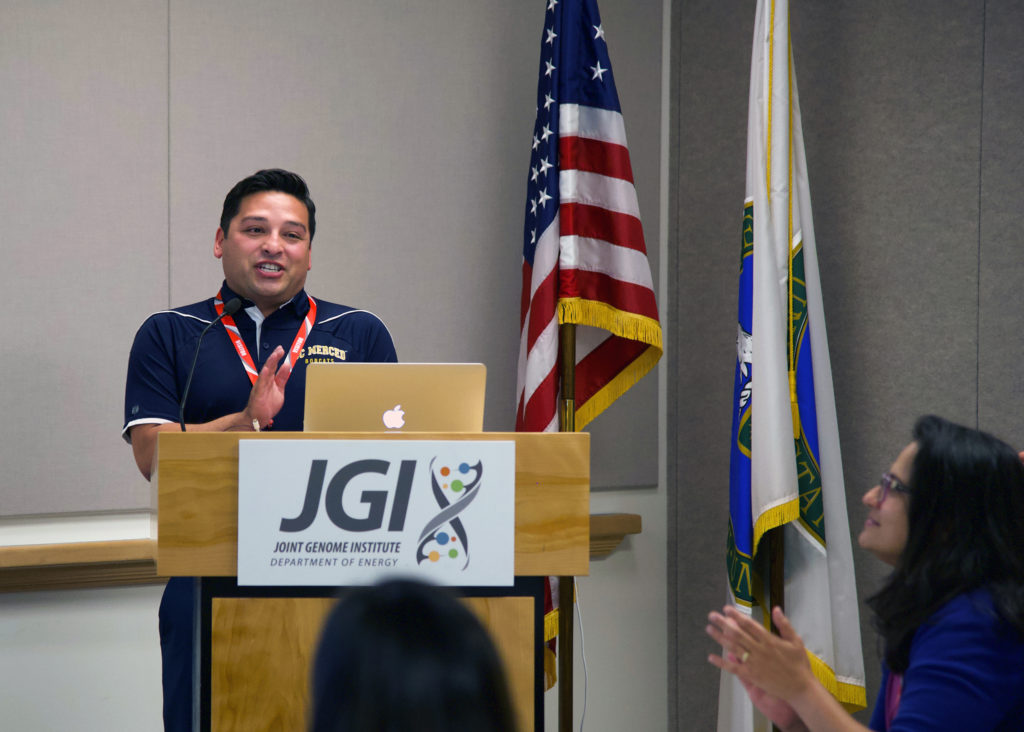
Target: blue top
[966, 672]
[166, 343]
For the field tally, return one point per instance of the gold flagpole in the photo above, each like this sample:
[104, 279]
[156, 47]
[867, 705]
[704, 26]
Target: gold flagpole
[566, 423]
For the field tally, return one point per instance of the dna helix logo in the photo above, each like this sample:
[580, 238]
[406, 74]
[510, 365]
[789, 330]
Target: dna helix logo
[444, 539]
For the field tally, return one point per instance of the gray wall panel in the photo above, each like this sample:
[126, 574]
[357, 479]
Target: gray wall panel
[83, 197]
[893, 174]
[891, 98]
[713, 79]
[1000, 385]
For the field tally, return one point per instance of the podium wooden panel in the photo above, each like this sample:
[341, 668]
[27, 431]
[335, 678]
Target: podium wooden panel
[258, 648]
[262, 649]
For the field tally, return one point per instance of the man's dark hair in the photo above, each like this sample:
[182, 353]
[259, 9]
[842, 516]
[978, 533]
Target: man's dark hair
[965, 530]
[273, 179]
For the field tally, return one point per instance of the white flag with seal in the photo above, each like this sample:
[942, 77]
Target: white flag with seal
[786, 468]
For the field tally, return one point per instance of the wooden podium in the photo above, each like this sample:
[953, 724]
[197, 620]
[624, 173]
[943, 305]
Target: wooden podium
[255, 644]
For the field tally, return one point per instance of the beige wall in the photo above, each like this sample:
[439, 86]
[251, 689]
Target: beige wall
[125, 122]
[83, 198]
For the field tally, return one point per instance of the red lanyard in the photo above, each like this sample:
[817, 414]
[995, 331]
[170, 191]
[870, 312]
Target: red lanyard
[243, 352]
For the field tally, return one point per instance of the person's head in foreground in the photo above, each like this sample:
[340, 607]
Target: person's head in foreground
[404, 656]
[948, 516]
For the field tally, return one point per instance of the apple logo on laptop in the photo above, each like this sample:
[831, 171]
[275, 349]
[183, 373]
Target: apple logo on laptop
[394, 418]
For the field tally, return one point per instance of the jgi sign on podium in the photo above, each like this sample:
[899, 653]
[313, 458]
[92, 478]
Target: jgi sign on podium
[348, 512]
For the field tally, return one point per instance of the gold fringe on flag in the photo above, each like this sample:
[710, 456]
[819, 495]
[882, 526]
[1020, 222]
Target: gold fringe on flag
[617, 322]
[774, 517]
[615, 388]
[852, 697]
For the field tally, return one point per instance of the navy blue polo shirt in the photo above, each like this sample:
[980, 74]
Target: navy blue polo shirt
[166, 344]
[157, 370]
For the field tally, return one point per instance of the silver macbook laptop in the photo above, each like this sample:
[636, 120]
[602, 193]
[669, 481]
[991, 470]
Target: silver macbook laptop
[395, 397]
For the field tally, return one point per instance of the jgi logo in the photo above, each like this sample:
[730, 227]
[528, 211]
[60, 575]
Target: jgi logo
[375, 500]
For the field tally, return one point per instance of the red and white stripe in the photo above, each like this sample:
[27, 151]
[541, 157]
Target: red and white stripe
[537, 382]
[593, 251]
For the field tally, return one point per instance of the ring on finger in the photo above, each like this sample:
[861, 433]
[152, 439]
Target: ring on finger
[745, 656]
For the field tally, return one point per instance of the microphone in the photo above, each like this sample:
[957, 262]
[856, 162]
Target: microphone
[231, 307]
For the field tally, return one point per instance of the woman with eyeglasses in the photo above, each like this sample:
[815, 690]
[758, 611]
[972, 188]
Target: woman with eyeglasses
[949, 518]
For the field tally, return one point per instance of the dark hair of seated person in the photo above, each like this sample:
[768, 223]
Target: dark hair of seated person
[965, 531]
[403, 656]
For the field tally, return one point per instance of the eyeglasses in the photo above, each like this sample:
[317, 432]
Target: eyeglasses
[890, 482]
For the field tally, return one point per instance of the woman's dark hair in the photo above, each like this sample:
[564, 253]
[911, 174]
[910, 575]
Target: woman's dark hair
[407, 656]
[272, 179]
[965, 532]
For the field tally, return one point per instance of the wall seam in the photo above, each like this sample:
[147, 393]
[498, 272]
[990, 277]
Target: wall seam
[669, 322]
[981, 174]
[169, 154]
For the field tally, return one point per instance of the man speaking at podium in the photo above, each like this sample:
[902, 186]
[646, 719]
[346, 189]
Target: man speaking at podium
[248, 372]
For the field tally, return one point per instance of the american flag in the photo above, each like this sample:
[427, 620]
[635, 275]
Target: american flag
[584, 257]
